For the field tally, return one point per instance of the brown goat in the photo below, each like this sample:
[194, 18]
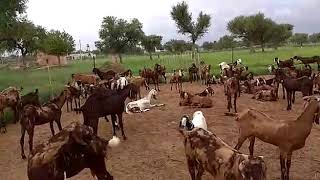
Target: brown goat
[13, 98]
[287, 135]
[207, 152]
[33, 116]
[86, 78]
[73, 94]
[206, 92]
[231, 88]
[266, 95]
[138, 81]
[195, 101]
[177, 79]
[70, 151]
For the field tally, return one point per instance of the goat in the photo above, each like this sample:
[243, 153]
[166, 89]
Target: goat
[104, 75]
[195, 101]
[303, 84]
[308, 60]
[3, 104]
[161, 71]
[207, 152]
[151, 75]
[285, 63]
[223, 66]
[266, 95]
[144, 104]
[198, 121]
[193, 72]
[73, 94]
[231, 88]
[101, 105]
[70, 151]
[177, 79]
[138, 81]
[204, 72]
[13, 96]
[206, 92]
[86, 78]
[287, 135]
[33, 116]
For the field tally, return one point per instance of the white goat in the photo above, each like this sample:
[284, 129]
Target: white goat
[223, 66]
[198, 121]
[143, 104]
[122, 82]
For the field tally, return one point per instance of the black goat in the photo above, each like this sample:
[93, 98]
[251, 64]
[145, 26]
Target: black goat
[284, 63]
[108, 103]
[104, 75]
[303, 84]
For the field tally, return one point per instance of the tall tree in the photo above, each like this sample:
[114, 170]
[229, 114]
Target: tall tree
[26, 38]
[256, 29]
[58, 43]
[314, 38]
[119, 35]
[281, 33]
[183, 19]
[150, 43]
[226, 42]
[299, 38]
[207, 45]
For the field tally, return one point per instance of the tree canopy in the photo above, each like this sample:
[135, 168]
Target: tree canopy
[186, 26]
[58, 43]
[314, 38]
[299, 38]
[150, 43]
[178, 46]
[257, 29]
[119, 35]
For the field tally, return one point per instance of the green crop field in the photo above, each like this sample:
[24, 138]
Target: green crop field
[35, 78]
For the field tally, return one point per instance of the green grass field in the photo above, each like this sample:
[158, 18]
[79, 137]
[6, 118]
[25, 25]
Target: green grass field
[35, 78]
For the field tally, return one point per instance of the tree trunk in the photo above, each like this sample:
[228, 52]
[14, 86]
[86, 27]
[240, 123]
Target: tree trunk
[120, 57]
[251, 48]
[59, 60]
[150, 55]
[158, 56]
[262, 47]
[193, 45]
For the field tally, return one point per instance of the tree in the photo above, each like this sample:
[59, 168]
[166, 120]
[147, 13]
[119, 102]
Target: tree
[183, 19]
[299, 38]
[314, 38]
[256, 29]
[178, 46]
[150, 43]
[225, 42]
[10, 13]
[26, 38]
[119, 35]
[207, 45]
[281, 33]
[58, 43]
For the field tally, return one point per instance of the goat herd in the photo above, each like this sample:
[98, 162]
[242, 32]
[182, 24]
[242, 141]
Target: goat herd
[77, 146]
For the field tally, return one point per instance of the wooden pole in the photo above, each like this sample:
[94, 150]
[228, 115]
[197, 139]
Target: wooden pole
[50, 82]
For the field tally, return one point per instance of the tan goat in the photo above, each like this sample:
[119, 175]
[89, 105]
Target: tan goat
[195, 101]
[138, 81]
[86, 78]
[287, 135]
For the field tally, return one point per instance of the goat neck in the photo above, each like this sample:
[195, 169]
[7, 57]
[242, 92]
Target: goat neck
[61, 99]
[306, 118]
[149, 96]
[124, 93]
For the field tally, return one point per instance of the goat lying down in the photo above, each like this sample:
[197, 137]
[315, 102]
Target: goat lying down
[205, 151]
[144, 104]
[68, 152]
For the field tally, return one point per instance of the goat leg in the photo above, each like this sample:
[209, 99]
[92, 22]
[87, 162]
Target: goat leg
[282, 166]
[251, 146]
[23, 131]
[288, 164]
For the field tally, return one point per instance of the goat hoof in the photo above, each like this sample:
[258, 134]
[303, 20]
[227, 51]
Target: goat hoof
[124, 138]
[23, 157]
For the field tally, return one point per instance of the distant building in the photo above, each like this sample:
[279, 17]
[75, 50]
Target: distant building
[46, 59]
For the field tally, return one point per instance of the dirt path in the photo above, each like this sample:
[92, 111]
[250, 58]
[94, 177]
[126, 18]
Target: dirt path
[154, 149]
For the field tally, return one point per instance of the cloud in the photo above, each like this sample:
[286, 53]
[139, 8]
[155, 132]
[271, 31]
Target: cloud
[82, 19]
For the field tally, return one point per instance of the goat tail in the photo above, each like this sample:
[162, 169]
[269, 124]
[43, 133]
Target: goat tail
[114, 142]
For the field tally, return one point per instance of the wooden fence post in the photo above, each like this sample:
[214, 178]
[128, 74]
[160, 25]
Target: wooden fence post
[50, 82]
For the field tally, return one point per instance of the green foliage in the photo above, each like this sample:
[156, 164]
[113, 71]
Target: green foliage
[151, 42]
[299, 38]
[225, 42]
[314, 38]
[58, 43]
[257, 29]
[119, 35]
[178, 46]
[183, 19]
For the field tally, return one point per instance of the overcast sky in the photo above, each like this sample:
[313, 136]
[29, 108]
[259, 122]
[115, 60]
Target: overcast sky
[82, 18]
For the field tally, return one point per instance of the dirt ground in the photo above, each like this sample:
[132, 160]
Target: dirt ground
[154, 149]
